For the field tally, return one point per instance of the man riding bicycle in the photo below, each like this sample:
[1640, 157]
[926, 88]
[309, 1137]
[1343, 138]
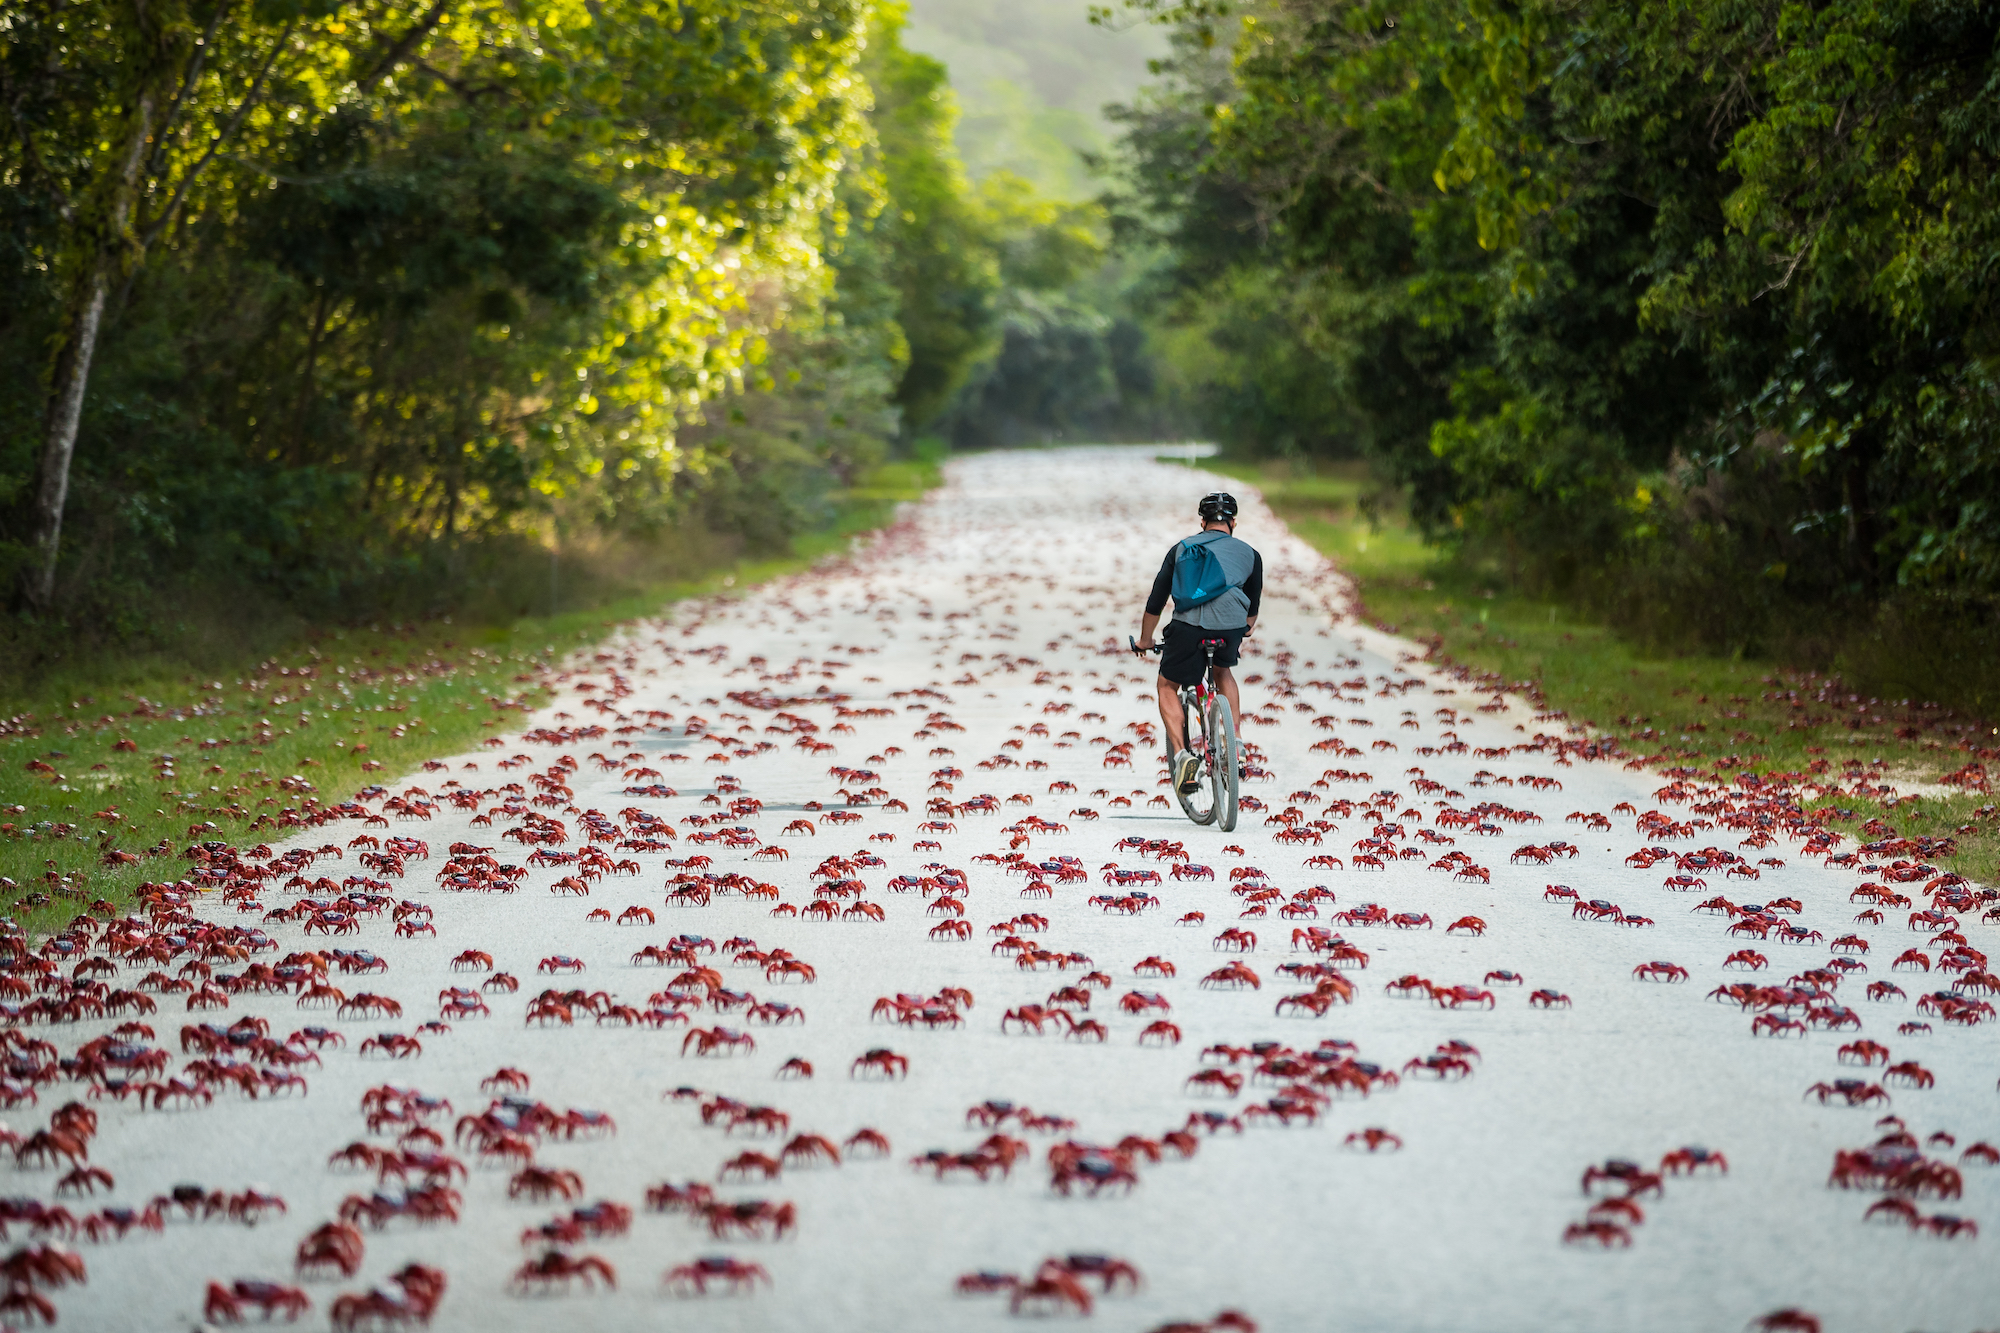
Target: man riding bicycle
[1228, 617]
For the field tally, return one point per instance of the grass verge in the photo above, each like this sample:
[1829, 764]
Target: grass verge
[103, 785]
[1721, 716]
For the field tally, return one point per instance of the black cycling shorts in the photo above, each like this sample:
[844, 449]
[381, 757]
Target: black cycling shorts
[1183, 658]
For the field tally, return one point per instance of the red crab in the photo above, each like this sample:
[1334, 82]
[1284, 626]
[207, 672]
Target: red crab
[882, 1062]
[732, 1274]
[1690, 1160]
[1853, 1091]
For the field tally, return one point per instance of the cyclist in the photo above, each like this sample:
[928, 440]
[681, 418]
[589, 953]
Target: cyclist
[1228, 617]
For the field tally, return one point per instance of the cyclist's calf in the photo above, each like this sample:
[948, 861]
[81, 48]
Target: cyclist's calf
[1171, 711]
[1225, 684]
[1171, 716]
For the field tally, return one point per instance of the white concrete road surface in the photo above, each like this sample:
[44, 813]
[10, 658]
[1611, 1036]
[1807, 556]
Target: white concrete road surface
[983, 627]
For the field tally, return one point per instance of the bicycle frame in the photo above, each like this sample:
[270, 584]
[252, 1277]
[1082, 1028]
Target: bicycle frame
[1217, 747]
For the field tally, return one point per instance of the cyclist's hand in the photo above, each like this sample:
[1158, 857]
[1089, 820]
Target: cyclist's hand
[1145, 645]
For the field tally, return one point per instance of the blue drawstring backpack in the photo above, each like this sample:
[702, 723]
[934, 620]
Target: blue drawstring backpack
[1198, 573]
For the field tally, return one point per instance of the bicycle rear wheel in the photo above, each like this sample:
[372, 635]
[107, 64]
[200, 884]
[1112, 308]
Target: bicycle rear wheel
[1224, 764]
[1199, 804]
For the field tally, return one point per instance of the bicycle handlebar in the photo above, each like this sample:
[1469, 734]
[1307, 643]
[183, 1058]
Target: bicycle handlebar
[1137, 651]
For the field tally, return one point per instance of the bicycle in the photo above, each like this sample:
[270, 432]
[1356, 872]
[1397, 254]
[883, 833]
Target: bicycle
[1209, 730]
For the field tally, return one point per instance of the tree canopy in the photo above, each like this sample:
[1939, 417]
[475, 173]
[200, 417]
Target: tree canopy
[357, 304]
[1680, 307]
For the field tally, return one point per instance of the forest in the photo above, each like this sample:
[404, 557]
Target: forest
[336, 311]
[1680, 313]
[325, 311]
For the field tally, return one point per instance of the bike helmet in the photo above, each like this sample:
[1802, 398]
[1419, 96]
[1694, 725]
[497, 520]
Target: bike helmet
[1218, 507]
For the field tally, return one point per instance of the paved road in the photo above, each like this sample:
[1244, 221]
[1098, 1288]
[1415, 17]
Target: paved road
[982, 628]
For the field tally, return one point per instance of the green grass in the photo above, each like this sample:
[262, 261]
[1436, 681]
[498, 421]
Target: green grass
[1680, 712]
[338, 709]
[872, 504]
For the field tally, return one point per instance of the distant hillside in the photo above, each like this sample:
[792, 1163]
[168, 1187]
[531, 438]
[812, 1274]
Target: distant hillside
[1031, 78]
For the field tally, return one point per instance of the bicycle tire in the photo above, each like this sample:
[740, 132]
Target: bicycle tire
[1198, 805]
[1225, 763]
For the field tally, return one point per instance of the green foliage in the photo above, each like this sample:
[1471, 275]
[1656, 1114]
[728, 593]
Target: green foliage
[1722, 712]
[1054, 371]
[939, 260]
[1677, 310]
[1010, 131]
[255, 728]
[1032, 77]
[1011, 310]
[408, 294]
[1037, 336]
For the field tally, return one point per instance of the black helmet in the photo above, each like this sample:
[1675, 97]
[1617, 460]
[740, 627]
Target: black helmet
[1218, 506]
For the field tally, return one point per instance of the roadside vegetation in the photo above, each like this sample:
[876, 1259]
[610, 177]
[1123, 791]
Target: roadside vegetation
[385, 310]
[141, 759]
[1685, 714]
[1671, 314]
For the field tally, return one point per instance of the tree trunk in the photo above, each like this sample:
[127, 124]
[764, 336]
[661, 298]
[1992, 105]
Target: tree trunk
[104, 244]
[320, 317]
[59, 438]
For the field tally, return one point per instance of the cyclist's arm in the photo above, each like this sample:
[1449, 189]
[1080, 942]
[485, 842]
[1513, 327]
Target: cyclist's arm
[1156, 600]
[1253, 588]
[1255, 591]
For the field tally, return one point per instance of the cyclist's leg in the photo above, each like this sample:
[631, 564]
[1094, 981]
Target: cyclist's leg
[1225, 683]
[1186, 773]
[1170, 716]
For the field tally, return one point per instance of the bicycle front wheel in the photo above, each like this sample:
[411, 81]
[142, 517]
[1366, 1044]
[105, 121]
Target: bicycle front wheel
[1224, 764]
[1198, 804]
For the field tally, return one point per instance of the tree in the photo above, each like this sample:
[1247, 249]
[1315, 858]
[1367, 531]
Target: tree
[1681, 308]
[942, 261]
[451, 263]
[116, 115]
